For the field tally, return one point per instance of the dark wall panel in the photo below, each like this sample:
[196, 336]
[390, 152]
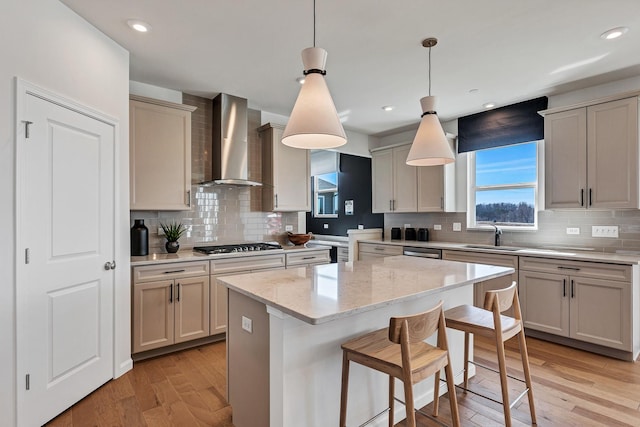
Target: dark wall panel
[354, 183]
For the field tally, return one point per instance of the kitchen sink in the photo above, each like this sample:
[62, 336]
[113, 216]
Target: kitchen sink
[493, 248]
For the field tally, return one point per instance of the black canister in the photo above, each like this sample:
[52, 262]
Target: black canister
[409, 234]
[139, 238]
[396, 234]
[423, 234]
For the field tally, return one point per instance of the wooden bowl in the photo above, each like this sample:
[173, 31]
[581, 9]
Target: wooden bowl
[298, 239]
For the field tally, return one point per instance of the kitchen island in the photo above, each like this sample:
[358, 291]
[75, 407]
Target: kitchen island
[285, 329]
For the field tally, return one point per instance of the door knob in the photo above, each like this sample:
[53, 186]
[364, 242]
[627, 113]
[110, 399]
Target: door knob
[110, 265]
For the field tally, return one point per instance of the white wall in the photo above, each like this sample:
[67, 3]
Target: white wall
[45, 43]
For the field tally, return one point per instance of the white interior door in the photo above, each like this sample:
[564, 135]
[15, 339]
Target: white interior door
[65, 227]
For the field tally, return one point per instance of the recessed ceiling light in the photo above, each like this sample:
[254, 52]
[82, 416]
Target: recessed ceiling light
[473, 90]
[388, 107]
[140, 26]
[614, 33]
[489, 105]
[300, 80]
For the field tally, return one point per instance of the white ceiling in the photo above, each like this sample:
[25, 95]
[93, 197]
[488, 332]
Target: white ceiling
[508, 50]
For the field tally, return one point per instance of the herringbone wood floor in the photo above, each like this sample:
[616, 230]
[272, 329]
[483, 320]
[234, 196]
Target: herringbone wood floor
[571, 387]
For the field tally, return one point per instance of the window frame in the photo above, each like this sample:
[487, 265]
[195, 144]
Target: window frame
[538, 191]
[334, 190]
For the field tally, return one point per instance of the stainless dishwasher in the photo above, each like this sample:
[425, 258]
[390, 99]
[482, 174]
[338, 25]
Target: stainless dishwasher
[422, 252]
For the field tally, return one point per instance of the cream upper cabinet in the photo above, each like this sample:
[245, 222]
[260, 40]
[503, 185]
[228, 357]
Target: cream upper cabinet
[160, 154]
[286, 173]
[591, 156]
[394, 183]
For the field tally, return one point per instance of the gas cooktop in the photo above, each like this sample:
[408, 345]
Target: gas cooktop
[244, 247]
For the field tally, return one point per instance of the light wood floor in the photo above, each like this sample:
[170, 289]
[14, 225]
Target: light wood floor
[571, 388]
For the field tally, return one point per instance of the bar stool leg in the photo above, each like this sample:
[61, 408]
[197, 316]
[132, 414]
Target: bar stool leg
[392, 384]
[527, 374]
[502, 364]
[344, 391]
[436, 393]
[466, 360]
[451, 387]
[409, 404]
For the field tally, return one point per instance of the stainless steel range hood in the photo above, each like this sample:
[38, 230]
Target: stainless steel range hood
[230, 145]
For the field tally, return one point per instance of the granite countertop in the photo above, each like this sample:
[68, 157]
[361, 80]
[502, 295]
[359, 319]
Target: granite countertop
[566, 254]
[187, 254]
[326, 292]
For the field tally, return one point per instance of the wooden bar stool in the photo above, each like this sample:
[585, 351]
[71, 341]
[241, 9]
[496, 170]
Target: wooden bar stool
[400, 352]
[489, 322]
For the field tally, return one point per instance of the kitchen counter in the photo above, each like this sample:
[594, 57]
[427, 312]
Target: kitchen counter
[568, 254]
[285, 329]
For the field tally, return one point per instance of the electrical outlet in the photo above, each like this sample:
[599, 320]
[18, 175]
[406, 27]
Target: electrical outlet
[288, 228]
[407, 225]
[325, 226]
[437, 227]
[573, 230]
[247, 324]
[160, 231]
[457, 226]
[360, 227]
[610, 231]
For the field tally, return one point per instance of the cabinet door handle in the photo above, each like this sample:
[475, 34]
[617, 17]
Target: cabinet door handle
[276, 196]
[564, 288]
[390, 205]
[170, 293]
[590, 197]
[582, 197]
[189, 198]
[572, 293]
[560, 267]
[178, 292]
[174, 271]
[441, 202]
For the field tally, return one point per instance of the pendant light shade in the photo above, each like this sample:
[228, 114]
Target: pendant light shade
[314, 121]
[430, 146]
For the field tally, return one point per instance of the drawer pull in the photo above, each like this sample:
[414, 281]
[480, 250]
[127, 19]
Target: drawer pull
[174, 271]
[309, 257]
[560, 267]
[378, 249]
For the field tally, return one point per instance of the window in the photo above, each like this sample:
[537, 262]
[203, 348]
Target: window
[503, 186]
[325, 195]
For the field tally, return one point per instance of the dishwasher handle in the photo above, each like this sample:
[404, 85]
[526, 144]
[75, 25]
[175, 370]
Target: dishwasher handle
[422, 252]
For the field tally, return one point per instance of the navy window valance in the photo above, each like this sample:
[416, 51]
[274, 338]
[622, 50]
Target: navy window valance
[508, 125]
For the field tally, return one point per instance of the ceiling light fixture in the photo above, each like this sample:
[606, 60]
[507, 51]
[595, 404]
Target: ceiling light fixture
[430, 146]
[489, 105]
[614, 33]
[314, 121]
[139, 26]
[388, 108]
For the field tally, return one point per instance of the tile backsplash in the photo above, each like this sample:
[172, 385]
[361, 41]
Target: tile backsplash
[219, 215]
[551, 231]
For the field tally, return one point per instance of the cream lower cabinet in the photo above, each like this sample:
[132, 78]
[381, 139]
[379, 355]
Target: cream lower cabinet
[489, 259]
[373, 250]
[232, 266]
[590, 302]
[307, 258]
[172, 310]
[286, 173]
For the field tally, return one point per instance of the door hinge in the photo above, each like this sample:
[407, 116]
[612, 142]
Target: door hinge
[27, 381]
[26, 128]
[27, 256]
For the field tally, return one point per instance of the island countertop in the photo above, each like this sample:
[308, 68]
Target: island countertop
[323, 293]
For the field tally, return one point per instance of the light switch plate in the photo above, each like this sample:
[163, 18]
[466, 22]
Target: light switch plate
[325, 226]
[437, 227]
[247, 324]
[610, 231]
[573, 230]
[457, 226]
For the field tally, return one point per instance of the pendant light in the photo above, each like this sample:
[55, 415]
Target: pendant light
[314, 121]
[430, 146]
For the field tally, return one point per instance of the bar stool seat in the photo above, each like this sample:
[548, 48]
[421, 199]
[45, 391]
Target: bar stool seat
[489, 322]
[400, 352]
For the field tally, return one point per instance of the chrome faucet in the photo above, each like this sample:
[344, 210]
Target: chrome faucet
[497, 235]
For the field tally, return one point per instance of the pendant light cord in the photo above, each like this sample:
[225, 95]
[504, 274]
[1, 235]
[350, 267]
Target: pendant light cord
[429, 67]
[314, 23]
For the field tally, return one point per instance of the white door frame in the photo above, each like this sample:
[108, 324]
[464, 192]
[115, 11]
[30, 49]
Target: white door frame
[121, 294]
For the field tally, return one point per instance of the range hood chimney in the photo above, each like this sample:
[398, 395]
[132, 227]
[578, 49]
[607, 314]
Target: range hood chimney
[230, 145]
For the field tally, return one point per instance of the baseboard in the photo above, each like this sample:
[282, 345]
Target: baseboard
[123, 368]
[177, 347]
[581, 345]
